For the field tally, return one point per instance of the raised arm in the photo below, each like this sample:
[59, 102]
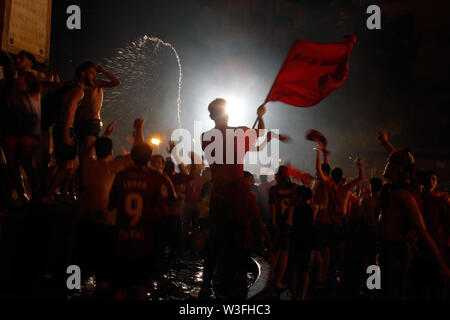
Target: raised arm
[113, 80]
[138, 133]
[177, 160]
[319, 172]
[261, 126]
[384, 140]
[360, 178]
[326, 158]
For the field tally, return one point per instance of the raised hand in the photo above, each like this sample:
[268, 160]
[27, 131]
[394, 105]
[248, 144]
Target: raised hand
[138, 123]
[171, 146]
[261, 111]
[382, 136]
[110, 129]
[99, 69]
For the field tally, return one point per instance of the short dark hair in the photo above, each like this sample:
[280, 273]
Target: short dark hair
[326, 168]
[337, 174]
[103, 147]
[160, 157]
[84, 66]
[27, 54]
[216, 104]
[304, 193]
[169, 166]
[376, 184]
[248, 174]
[263, 178]
[141, 153]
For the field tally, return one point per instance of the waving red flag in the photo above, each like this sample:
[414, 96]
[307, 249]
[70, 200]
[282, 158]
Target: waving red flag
[316, 136]
[311, 72]
[304, 177]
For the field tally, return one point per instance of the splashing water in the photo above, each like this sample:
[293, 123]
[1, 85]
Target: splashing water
[180, 74]
[133, 66]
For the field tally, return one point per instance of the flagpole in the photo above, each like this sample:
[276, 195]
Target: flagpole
[278, 74]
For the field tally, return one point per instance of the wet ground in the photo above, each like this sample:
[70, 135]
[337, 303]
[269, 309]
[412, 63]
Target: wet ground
[181, 281]
[35, 250]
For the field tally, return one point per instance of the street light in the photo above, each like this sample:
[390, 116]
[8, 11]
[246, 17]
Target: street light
[155, 141]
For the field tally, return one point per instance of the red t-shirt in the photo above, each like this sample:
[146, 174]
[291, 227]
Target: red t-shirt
[139, 195]
[227, 162]
[194, 189]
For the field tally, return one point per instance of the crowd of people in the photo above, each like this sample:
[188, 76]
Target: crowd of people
[137, 212]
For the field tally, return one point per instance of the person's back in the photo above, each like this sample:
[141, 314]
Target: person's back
[98, 178]
[339, 193]
[280, 196]
[263, 199]
[138, 194]
[369, 208]
[302, 232]
[436, 215]
[225, 172]
[395, 225]
[25, 104]
[320, 200]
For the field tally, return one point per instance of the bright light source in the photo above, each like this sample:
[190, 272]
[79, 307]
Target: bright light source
[235, 110]
[155, 141]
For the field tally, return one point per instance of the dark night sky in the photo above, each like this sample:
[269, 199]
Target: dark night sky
[399, 76]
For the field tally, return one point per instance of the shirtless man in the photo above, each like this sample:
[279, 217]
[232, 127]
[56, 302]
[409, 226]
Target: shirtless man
[280, 201]
[323, 222]
[87, 119]
[371, 211]
[401, 222]
[23, 122]
[96, 223]
[64, 135]
[436, 215]
[225, 176]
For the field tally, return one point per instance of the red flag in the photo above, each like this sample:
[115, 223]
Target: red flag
[304, 177]
[311, 72]
[283, 138]
[316, 136]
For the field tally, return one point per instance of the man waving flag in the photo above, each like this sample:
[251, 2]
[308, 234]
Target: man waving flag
[311, 72]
